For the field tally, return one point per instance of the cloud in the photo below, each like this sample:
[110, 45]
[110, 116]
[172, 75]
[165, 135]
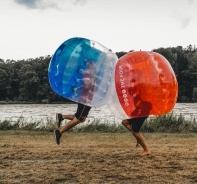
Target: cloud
[29, 4]
[45, 4]
[190, 2]
[38, 4]
[184, 22]
[182, 19]
[184, 13]
[80, 2]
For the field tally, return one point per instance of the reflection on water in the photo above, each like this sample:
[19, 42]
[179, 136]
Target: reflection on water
[43, 112]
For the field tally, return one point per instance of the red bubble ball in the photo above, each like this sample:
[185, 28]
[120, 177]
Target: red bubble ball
[145, 84]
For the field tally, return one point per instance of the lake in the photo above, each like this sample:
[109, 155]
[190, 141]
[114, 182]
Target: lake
[45, 112]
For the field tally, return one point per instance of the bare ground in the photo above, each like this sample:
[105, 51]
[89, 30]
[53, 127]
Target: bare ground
[91, 158]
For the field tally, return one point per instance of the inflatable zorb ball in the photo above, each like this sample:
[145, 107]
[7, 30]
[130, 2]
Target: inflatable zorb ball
[145, 84]
[81, 70]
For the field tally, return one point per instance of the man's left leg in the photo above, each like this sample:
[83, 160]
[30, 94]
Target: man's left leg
[141, 141]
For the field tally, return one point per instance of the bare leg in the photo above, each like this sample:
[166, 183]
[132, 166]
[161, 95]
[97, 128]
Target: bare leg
[137, 144]
[141, 141]
[70, 117]
[139, 138]
[129, 127]
[69, 125]
[73, 122]
[60, 118]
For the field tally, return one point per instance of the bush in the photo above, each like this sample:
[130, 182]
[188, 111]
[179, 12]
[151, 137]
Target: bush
[195, 94]
[96, 126]
[168, 123]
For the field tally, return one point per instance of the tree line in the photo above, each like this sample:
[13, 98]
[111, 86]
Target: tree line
[26, 81]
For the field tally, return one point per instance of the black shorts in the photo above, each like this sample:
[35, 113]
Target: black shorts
[137, 123]
[82, 111]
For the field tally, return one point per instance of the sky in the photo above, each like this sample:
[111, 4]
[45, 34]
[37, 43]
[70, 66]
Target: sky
[34, 28]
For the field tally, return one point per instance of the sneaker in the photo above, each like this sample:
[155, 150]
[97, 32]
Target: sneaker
[59, 119]
[57, 136]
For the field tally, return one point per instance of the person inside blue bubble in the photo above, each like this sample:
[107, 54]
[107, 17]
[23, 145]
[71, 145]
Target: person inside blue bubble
[79, 117]
[86, 92]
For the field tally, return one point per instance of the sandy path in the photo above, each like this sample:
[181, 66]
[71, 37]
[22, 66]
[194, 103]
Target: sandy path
[97, 158]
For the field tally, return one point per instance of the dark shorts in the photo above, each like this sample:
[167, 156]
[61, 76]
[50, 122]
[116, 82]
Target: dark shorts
[137, 123]
[82, 111]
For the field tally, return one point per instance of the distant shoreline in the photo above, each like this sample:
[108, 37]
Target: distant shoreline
[60, 102]
[24, 102]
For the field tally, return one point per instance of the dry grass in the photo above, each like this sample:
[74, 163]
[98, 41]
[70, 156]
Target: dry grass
[88, 158]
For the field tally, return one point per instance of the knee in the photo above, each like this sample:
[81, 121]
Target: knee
[76, 121]
[124, 122]
[83, 119]
[134, 133]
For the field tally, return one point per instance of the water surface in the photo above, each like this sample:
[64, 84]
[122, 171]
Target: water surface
[44, 112]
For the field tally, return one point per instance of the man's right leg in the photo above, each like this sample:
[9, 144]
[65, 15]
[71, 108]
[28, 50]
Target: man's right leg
[61, 117]
[69, 125]
[70, 117]
[66, 127]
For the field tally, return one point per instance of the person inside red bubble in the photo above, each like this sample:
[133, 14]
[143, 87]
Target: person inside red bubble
[134, 124]
[142, 108]
[141, 112]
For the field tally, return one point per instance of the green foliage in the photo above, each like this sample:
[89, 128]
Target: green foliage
[27, 80]
[171, 124]
[168, 54]
[195, 94]
[22, 124]
[168, 123]
[184, 64]
[7, 125]
[97, 126]
[120, 54]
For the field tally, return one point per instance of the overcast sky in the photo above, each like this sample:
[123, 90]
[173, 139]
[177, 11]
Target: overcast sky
[33, 28]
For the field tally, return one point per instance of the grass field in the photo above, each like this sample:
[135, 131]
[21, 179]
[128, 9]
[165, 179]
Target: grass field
[89, 158]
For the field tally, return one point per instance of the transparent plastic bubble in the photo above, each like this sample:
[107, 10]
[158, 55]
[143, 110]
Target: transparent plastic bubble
[80, 70]
[145, 84]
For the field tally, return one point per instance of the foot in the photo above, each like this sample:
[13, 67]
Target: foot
[57, 136]
[137, 145]
[144, 153]
[59, 119]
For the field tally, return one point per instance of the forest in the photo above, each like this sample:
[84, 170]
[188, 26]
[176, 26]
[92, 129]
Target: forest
[26, 81]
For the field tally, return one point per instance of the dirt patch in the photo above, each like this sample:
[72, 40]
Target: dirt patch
[97, 158]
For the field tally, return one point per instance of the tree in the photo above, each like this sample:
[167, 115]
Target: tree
[169, 55]
[28, 83]
[120, 54]
[27, 80]
[195, 94]
[3, 84]
[1, 61]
